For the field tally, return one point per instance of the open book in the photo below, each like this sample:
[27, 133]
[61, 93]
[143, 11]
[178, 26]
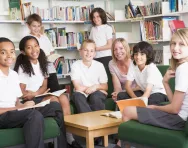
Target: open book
[140, 101]
[41, 104]
[116, 114]
[55, 93]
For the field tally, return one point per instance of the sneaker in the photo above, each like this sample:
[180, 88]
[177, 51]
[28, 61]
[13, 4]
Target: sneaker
[75, 144]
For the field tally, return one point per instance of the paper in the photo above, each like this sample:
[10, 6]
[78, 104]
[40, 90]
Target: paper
[41, 104]
[116, 114]
[55, 93]
[140, 101]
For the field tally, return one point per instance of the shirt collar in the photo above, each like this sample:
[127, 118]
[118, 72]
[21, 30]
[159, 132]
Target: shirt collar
[3, 75]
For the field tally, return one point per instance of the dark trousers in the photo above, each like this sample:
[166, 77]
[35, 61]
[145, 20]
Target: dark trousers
[154, 99]
[93, 102]
[32, 122]
[104, 61]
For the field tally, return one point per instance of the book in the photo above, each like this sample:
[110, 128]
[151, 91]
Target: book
[176, 24]
[53, 57]
[116, 114]
[41, 104]
[140, 101]
[14, 9]
[55, 93]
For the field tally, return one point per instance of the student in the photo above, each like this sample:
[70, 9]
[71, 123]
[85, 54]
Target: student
[146, 74]
[89, 79]
[101, 33]
[174, 115]
[34, 23]
[119, 65]
[31, 66]
[32, 120]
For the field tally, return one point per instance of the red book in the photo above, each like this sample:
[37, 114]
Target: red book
[176, 24]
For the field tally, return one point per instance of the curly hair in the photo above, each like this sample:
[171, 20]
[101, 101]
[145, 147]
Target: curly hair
[144, 47]
[102, 15]
[23, 60]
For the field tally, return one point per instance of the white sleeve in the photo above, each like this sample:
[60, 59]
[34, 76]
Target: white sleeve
[23, 77]
[91, 34]
[130, 73]
[49, 44]
[75, 72]
[153, 75]
[18, 89]
[103, 76]
[108, 32]
[181, 78]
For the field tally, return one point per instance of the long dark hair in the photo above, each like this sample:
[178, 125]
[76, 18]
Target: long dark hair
[23, 60]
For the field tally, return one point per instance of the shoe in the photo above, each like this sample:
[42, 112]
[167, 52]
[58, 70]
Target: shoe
[116, 146]
[97, 140]
[75, 144]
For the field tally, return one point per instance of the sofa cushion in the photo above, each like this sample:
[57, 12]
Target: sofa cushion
[136, 132]
[14, 136]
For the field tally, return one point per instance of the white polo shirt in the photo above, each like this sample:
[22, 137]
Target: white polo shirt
[95, 74]
[149, 75]
[9, 89]
[181, 84]
[34, 82]
[100, 34]
[45, 44]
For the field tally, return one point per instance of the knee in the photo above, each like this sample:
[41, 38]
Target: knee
[37, 116]
[127, 113]
[77, 96]
[63, 99]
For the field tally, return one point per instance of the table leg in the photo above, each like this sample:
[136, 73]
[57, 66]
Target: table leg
[89, 140]
[105, 141]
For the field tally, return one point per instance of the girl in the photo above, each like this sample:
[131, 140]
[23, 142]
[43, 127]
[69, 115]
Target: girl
[147, 76]
[31, 66]
[101, 33]
[174, 115]
[119, 65]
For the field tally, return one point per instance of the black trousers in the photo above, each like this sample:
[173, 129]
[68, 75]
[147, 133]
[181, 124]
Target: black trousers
[32, 122]
[104, 61]
[154, 99]
[93, 102]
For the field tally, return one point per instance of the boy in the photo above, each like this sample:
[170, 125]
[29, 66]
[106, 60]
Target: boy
[89, 79]
[32, 120]
[34, 23]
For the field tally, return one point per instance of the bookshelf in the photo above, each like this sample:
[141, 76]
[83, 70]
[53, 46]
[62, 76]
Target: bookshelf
[127, 28]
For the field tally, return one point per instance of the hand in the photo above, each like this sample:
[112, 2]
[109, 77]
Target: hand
[29, 95]
[114, 95]
[151, 106]
[168, 75]
[91, 89]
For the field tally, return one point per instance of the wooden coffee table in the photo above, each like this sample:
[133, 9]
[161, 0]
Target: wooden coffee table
[91, 125]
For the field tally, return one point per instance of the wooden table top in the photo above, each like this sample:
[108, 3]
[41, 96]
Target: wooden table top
[91, 120]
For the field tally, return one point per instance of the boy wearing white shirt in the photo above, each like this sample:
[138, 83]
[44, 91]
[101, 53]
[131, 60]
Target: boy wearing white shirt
[89, 79]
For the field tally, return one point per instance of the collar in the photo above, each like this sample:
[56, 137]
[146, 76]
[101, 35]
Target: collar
[3, 75]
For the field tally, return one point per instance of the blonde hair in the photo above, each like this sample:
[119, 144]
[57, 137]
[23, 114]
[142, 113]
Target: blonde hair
[125, 45]
[182, 34]
[88, 41]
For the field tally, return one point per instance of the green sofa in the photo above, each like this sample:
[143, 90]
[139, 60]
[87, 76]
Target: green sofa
[14, 138]
[140, 135]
